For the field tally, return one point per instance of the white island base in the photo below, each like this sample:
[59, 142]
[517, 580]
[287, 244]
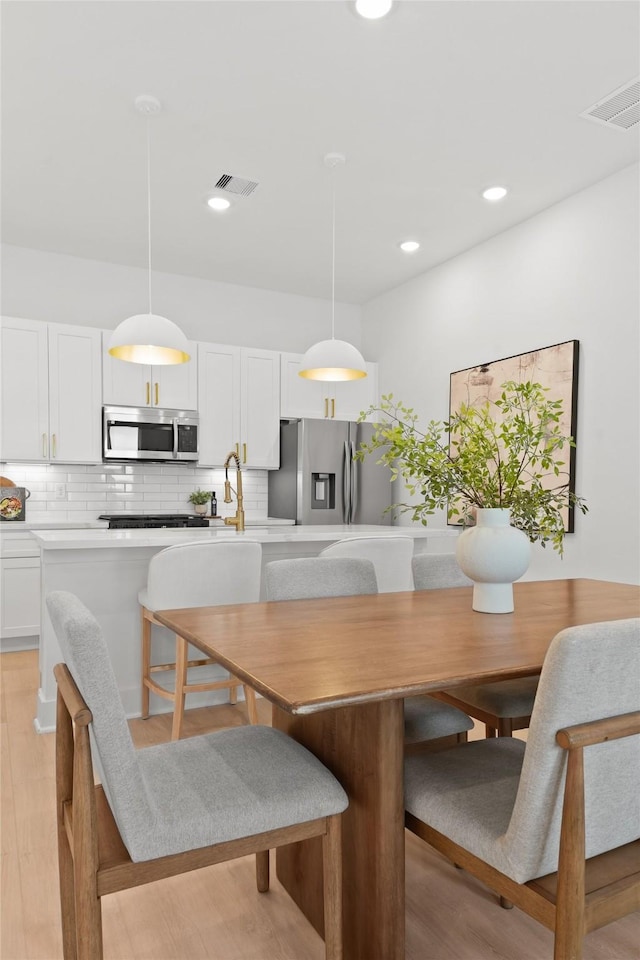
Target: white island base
[107, 568]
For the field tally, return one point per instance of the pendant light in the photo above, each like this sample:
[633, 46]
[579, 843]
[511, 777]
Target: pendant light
[147, 337]
[333, 360]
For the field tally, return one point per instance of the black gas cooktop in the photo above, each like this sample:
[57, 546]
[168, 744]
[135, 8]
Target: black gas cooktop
[130, 521]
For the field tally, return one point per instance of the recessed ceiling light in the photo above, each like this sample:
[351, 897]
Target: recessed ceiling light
[494, 193]
[373, 9]
[409, 246]
[218, 203]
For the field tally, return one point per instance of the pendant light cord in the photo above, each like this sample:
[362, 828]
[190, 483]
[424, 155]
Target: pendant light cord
[149, 209]
[333, 260]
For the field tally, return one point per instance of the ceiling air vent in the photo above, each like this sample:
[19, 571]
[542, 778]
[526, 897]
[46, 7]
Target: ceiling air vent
[619, 110]
[239, 186]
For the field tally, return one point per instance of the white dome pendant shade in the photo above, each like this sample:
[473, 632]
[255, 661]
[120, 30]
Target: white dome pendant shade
[151, 339]
[333, 360]
[146, 337]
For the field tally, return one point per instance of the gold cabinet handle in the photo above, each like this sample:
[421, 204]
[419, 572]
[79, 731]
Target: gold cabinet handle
[326, 407]
[333, 408]
[148, 393]
[44, 445]
[244, 453]
[237, 449]
[157, 393]
[53, 445]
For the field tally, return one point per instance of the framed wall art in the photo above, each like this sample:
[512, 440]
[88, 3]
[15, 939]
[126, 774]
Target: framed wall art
[555, 367]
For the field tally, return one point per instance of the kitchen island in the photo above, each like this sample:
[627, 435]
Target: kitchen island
[107, 568]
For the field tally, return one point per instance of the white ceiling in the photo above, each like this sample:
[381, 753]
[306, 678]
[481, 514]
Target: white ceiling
[429, 105]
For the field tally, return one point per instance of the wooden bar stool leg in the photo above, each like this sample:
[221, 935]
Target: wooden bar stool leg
[505, 727]
[179, 692]
[252, 709]
[146, 662]
[489, 731]
[233, 693]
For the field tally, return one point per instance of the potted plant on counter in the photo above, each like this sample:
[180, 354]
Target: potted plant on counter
[200, 500]
[497, 466]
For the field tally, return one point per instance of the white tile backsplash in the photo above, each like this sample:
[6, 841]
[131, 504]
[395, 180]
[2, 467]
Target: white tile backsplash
[132, 488]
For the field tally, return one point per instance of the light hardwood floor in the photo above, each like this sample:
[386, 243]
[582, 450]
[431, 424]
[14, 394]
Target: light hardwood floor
[217, 913]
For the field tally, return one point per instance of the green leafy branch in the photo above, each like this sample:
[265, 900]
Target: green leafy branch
[505, 454]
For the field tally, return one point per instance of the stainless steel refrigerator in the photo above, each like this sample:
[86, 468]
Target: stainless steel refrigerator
[320, 482]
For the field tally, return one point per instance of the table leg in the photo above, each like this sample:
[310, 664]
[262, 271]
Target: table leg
[363, 746]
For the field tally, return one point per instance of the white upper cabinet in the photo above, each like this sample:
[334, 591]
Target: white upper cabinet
[171, 386]
[260, 408]
[25, 390]
[75, 389]
[320, 400]
[239, 405]
[51, 392]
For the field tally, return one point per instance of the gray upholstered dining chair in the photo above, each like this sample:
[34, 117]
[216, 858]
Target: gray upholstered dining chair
[195, 575]
[174, 807]
[551, 825]
[503, 706]
[391, 557]
[308, 578]
[426, 720]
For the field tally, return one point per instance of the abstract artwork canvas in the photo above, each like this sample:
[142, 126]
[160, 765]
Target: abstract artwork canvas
[555, 367]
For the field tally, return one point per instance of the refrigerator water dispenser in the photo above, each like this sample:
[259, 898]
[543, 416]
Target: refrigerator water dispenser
[323, 491]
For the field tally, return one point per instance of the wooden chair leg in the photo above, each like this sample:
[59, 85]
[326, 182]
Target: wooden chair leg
[332, 878]
[88, 918]
[252, 709]
[146, 663]
[505, 727]
[489, 731]
[570, 903]
[233, 693]
[179, 694]
[86, 860]
[64, 792]
[262, 870]
[67, 898]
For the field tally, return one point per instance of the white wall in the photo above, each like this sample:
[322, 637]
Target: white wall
[62, 289]
[570, 272]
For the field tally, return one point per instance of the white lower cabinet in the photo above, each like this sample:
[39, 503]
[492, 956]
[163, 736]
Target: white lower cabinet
[239, 405]
[51, 392]
[19, 588]
[324, 401]
[171, 386]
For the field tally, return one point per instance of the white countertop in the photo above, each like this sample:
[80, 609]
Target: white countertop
[15, 526]
[110, 539]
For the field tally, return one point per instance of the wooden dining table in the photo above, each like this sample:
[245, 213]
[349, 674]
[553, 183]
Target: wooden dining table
[337, 672]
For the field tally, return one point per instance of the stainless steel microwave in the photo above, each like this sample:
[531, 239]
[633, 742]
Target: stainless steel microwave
[149, 433]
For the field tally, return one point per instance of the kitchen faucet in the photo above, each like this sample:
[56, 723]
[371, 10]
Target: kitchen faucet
[238, 520]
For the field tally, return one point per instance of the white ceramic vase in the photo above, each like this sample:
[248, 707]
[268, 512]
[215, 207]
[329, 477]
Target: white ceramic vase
[493, 554]
[201, 508]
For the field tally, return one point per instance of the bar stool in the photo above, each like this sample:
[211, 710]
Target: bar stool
[196, 575]
[391, 557]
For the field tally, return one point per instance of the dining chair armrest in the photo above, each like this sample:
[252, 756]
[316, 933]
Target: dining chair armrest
[78, 710]
[599, 731]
